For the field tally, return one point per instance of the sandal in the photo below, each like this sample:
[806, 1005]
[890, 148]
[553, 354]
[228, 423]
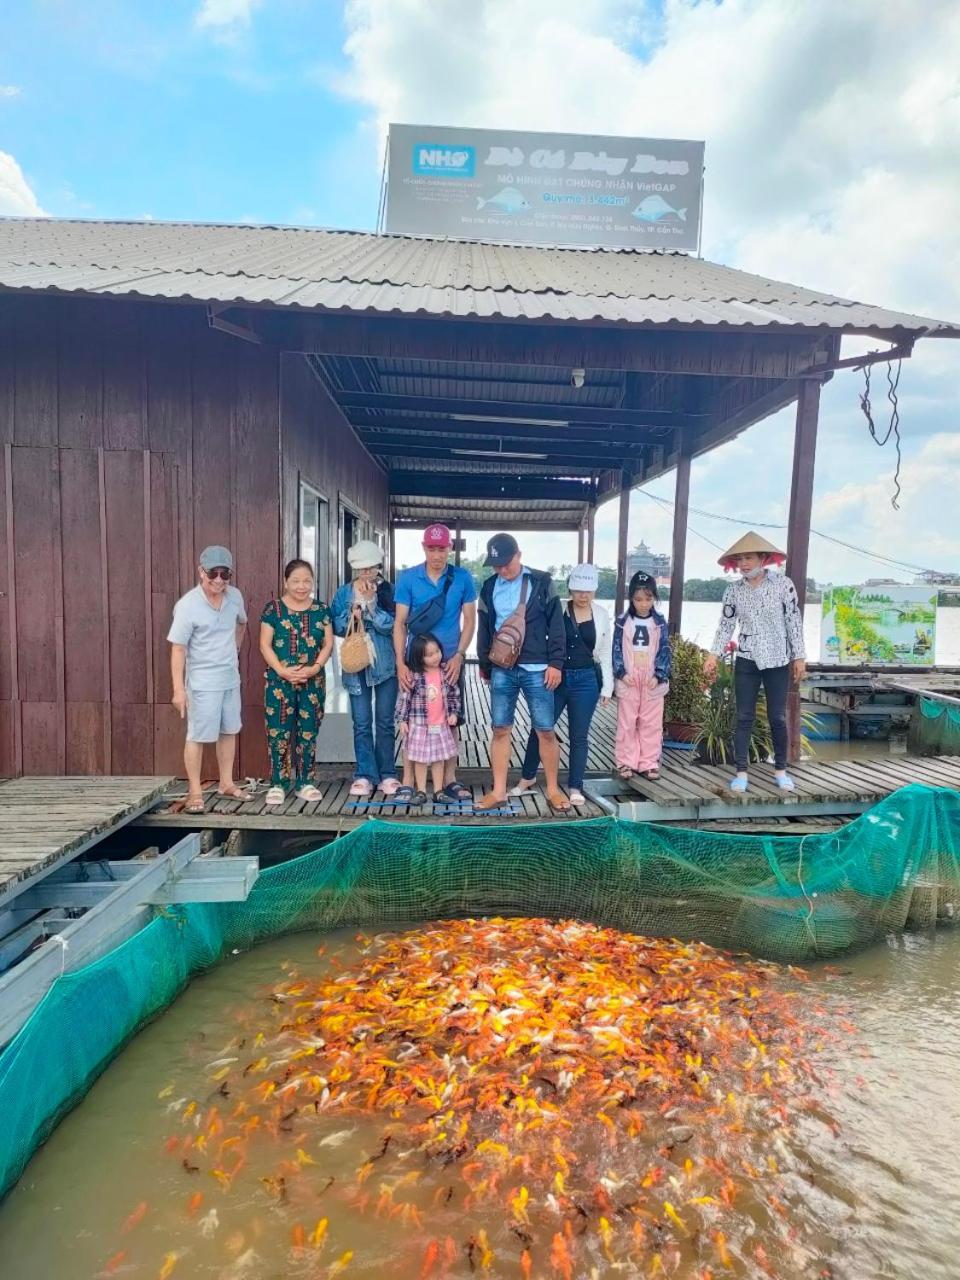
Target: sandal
[403, 795]
[234, 792]
[625, 772]
[275, 796]
[456, 791]
[193, 804]
[309, 793]
[558, 802]
[419, 797]
[651, 774]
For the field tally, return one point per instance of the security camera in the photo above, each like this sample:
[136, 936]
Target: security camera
[577, 377]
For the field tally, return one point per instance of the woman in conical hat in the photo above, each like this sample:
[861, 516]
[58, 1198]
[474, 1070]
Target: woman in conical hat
[763, 607]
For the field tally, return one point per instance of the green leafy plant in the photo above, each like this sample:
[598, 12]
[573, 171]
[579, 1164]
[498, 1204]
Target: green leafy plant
[686, 698]
[715, 731]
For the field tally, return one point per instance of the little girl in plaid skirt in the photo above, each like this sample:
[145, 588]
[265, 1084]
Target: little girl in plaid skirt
[426, 716]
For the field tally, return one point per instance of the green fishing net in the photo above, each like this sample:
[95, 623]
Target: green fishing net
[786, 898]
[934, 728]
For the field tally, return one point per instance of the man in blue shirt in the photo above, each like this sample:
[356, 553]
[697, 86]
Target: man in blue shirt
[538, 670]
[440, 598]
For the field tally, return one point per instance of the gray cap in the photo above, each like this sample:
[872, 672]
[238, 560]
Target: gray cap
[215, 558]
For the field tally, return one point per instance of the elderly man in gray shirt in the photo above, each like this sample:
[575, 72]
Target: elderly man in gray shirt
[208, 627]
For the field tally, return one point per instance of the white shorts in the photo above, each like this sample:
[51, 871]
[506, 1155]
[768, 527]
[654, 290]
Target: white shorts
[211, 712]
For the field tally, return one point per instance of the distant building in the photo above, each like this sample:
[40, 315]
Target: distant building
[935, 579]
[883, 582]
[642, 560]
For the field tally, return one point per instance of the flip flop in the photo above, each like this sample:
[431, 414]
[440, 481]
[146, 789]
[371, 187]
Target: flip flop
[402, 795]
[193, 805]
[234, 793]
[558, 802]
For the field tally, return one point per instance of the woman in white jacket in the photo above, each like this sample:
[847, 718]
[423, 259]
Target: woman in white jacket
[587, 678]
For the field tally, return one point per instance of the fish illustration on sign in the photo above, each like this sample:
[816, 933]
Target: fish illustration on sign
[655, 208]
[506, 201]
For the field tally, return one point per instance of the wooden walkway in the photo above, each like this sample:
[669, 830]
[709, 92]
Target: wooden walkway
[687, 790]
[45, 822]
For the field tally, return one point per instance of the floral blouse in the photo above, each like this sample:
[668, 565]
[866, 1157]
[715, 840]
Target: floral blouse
[769, 618]
[298, 634]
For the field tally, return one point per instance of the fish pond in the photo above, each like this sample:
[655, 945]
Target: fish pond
[516, 1098]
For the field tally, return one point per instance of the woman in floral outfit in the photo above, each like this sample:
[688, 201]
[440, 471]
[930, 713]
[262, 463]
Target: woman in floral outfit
[296, 640]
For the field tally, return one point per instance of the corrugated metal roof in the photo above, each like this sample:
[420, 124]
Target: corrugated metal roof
[360, 272]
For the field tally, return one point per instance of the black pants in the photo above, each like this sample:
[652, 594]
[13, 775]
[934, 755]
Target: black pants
[747, 678]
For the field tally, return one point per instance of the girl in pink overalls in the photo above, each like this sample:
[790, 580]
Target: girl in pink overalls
[641, 665]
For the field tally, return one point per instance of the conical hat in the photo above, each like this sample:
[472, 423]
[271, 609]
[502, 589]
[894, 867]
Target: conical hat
[751, 542]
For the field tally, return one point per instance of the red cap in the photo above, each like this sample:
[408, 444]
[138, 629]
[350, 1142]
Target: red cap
[437, 535]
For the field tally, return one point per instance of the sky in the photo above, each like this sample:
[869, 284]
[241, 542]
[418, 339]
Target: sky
[832, 138]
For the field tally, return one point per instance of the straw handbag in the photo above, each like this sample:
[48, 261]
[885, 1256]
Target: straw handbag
[356, 651]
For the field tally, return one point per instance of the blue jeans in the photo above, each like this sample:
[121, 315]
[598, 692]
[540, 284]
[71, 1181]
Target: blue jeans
[375, 759]
[506, 687]
[579, 693]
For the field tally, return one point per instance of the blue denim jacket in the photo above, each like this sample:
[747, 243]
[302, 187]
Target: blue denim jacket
[379, 625]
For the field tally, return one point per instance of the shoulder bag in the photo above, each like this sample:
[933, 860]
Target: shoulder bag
[425, 617]
[508, 642]
[355, 652]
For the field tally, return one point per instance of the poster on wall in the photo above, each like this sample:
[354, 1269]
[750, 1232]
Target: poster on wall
[544, 188]
[883, 624]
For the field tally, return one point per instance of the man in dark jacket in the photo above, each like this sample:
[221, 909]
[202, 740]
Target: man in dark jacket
[538, 669]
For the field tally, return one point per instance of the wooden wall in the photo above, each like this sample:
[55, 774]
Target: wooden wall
[131, 435]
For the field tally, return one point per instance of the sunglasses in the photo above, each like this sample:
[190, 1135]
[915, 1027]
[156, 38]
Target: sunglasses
[213, 574]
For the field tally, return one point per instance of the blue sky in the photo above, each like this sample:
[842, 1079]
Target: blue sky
[833, 161]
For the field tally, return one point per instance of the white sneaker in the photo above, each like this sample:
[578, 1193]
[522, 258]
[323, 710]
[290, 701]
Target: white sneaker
[275, 796]
[361, 787]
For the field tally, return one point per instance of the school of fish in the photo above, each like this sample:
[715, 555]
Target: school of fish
[525, 1098]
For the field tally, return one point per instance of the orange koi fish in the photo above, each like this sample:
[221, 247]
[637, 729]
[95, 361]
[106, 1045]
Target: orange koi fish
[113, 1265]
[526, 1264]
[430, 1259]
[135, 1218]
[169, 1262]
[194, 1203]
[298, 1236]
[560, 1258]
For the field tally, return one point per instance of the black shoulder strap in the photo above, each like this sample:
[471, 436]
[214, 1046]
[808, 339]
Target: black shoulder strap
[448, 576]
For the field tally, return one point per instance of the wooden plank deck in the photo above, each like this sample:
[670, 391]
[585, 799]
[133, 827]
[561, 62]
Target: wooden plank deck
[45, 822]
[687, 790]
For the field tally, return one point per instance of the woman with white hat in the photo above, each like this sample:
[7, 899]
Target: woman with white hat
[368, 599]
[587, 678]
[764, 607]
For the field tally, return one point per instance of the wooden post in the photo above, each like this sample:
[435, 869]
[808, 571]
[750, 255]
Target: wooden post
[591, 521]
[798, 527]
[580, 543]
[681, 507]
[457, 539]
[393, 552]
[622, 540]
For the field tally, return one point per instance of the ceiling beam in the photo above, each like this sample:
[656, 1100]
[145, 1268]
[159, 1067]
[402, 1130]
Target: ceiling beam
[589, 456]
[451, 485]
[498, 409]
[600, 435]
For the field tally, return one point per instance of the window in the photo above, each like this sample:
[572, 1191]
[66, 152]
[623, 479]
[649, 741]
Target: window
[350, 532]
[314, 541]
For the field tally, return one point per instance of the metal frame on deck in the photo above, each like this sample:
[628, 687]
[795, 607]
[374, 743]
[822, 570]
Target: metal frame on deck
[118, 898]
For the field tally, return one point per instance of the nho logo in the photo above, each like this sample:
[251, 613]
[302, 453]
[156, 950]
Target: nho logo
[434, 159]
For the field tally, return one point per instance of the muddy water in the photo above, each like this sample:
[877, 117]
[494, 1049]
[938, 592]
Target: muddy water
[871, 1178]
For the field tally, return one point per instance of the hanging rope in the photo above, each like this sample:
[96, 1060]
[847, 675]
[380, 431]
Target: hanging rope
[893, 381]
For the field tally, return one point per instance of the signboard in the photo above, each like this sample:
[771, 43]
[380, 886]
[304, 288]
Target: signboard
[544, 188]
[879, 624]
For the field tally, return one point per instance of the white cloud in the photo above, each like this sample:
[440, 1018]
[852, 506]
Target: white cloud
[10, 91]
[833, 161]
[16, 196]
[225, 17]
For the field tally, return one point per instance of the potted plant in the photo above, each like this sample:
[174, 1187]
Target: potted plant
[686, 698]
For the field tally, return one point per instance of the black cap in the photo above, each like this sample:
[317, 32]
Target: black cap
[645, 582]
[501, 549]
